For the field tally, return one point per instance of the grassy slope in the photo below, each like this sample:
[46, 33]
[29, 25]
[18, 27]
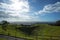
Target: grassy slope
[40, 31]
[46, 31]
[3, 39]
[11, 31]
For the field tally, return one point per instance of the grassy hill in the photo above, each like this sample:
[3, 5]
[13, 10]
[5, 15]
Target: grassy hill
[3, 39]
[44, 31]
[37, 31]
[11, 30]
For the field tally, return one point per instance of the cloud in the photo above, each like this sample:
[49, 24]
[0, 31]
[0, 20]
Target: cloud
[50, 8]
[3, 15]
[15, 10]
[20, 10]
[16, 5]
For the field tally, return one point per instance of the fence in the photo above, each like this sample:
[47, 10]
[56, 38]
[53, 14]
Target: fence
[47, 37]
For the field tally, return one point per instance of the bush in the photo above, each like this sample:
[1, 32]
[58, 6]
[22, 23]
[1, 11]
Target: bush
[58, 23]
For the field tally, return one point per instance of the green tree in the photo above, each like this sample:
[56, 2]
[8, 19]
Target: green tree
[58, 23]
[4, 24]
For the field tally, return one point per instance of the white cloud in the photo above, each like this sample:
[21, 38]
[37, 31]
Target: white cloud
[17, 10]
[50, 8]
[16, 5]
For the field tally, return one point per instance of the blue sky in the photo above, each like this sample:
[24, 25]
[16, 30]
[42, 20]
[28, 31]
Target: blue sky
[30, 10]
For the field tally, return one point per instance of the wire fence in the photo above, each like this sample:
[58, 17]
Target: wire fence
[47, 37]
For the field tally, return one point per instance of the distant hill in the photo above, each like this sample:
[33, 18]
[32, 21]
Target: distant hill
[29, 23]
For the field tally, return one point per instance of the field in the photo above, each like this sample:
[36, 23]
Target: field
[47, 32]
[3, 39]
[32, 32]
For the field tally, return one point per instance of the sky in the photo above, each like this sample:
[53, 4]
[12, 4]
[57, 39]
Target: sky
[30, 10]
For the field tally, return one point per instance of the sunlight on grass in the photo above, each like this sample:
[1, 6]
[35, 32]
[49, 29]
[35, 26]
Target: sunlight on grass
[40, 30]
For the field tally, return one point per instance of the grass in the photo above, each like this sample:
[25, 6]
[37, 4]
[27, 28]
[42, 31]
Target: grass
[41, 32]
[47, 31]
[3, 39]
[11, 31]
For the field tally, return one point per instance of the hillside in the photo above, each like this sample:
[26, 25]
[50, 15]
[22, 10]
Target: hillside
[47, 32]
[32, 32]
[11, 30]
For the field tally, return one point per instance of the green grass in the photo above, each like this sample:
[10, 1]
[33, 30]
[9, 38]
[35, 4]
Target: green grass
[42, 31]
[3, 39]
[11, 31]
[46, 31]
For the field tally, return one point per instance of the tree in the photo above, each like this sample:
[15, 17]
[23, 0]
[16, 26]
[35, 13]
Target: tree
[58, 23]
[4, 24]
